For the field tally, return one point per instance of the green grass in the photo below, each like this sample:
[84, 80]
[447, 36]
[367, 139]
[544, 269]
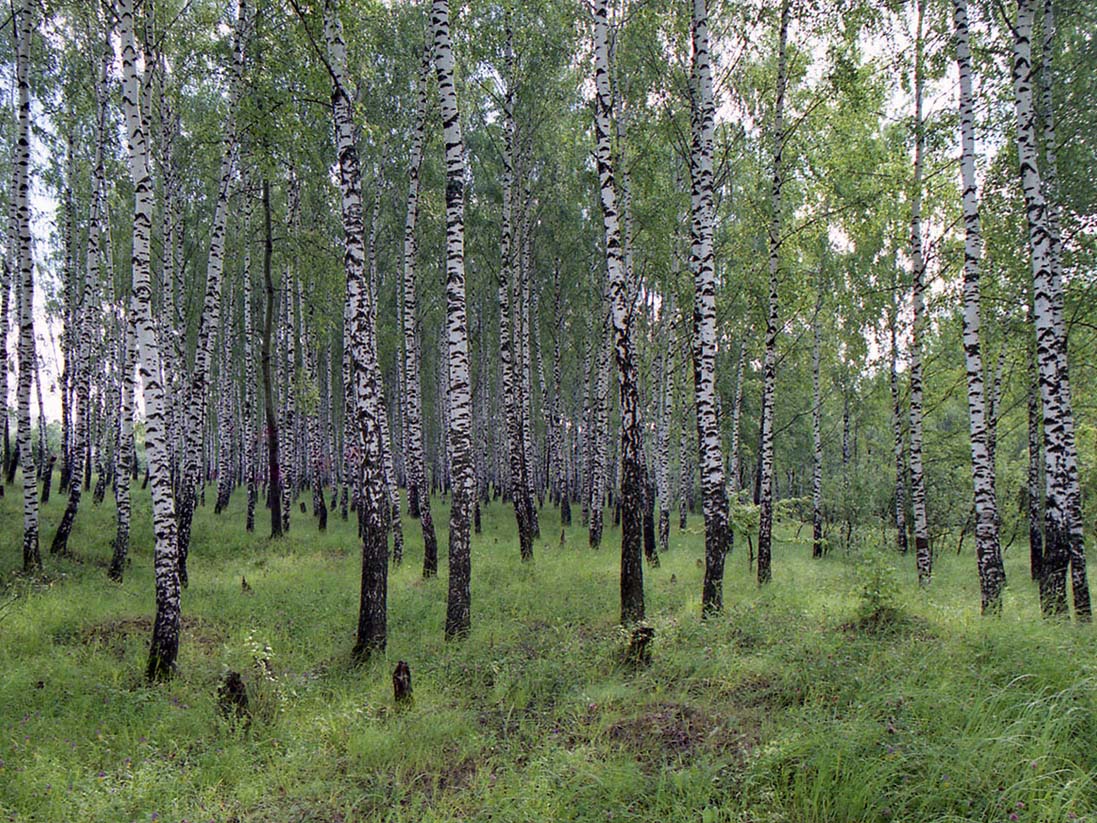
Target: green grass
[780, 709]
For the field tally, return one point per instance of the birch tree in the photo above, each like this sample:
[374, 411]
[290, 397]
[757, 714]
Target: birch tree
[711, 459]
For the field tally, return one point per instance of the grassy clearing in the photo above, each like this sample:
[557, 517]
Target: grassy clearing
[789, 707]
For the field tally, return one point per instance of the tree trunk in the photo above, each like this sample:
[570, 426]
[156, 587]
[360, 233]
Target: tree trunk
[373, 599]
[1079, 583]
[458, 617]
[1057, 503]
[1033, 496]
[24, 28]
[923, 558]
[987, 548]
[897, 431]
[514, 411]
[769, 368]
[250, 458]
[165, 632]
[418, 489]
[274, 467]
[632, 493]
[195, 418]
[124, 456]
[711, 459]
[817, 548]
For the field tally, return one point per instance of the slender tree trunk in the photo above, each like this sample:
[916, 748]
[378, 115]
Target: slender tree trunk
[24, 28]
[418, 489]
[1057, 501]
[598, 434]
[923, 557]
[632, 494]
[373, 600]
[817, 547]
[897, 431]
[458, 604]
[124, 456]
[83, 332]
[987, 548]
[274, 476]
[713, 490]
[511, 388]
[1033, 497]
[224, 386]
[769, 368]
[662, 429]
[165, 633]
[250, 458]
[210, 319]
[1079, 583]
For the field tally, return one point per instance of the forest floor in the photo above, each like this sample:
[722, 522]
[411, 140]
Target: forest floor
[840, 692]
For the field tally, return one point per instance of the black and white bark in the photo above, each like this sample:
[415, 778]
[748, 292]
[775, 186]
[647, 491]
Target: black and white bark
[373, 598]
[1058, 513]
[23, 22]
[897, 430]
[702, 262]
[458, 603]
[194, 419]
[1079, 583]
[415, 466]
[249, 456]
[923, 557]
[769, 364]
[817, 545]
[164, 647]
[987, 547]
[513, 407]
[632, 475]
[124, 455]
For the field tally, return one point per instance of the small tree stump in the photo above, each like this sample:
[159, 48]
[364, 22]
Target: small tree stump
[401, 684]
[638, 652]
[232, 698]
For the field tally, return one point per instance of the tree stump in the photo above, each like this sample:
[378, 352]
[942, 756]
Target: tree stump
[638, 652]
[232, 698]
[401, 684]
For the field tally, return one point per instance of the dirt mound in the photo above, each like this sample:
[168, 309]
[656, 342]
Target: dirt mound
[669, 731]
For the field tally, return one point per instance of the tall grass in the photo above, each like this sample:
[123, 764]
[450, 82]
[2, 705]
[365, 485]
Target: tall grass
[789, 706]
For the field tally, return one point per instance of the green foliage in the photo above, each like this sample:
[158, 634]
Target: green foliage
[877, 589]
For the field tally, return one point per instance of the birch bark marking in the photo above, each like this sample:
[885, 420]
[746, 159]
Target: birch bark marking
[632, 493]
[165, 632]
[769, 367]
[1057, 508]
[209, 320]
[418, 489]
[458, 618]
[513, 412]
[24, 28]
[923, 558]
[124, 457]
[987, 549]
[711, 459]
[1079, 583]
[817, 547]
[248, 412]
[373, 598]
[897, 432]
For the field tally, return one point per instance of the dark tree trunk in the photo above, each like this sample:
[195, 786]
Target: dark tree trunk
[274, 497]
